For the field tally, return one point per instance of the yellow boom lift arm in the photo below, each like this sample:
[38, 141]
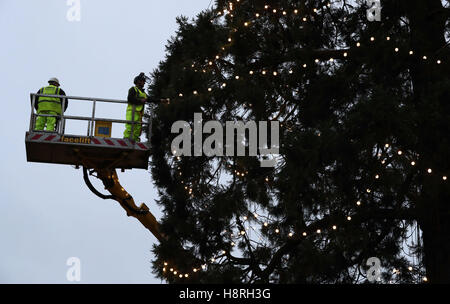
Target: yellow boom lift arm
[112, 185]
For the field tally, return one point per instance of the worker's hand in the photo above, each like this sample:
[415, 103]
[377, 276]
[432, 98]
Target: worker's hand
[166, 101]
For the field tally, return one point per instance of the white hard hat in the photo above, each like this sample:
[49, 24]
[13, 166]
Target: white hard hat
[54, 79]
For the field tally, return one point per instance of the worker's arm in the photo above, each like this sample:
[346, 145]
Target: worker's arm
[157, 101]
[61, 92]
[132, 98]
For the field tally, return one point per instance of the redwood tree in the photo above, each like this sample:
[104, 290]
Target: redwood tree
[362, 170]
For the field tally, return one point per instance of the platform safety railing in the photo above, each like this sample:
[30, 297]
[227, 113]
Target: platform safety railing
[62, 118]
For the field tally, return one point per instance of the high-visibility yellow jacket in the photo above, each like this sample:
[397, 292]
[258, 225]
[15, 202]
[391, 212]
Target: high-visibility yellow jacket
[50, 103]
[133, 95]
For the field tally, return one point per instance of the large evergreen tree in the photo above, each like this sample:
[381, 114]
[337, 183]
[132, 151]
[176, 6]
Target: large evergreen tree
[364, 112]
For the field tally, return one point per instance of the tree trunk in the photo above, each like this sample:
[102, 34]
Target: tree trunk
[427, 22]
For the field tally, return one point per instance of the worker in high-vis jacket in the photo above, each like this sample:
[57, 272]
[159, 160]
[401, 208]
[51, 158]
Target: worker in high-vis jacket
[137, 98]
[49, 105]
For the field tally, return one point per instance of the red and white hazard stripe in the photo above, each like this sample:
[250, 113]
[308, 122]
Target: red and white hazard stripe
[98, 141]
[43, 137]
[118, 143]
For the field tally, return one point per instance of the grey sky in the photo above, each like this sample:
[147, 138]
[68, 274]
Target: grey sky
[47, 214]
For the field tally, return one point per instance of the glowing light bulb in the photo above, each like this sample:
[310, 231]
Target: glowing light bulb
[396, 49]
[358, 203]
[429, 171]
[372, 38]
[444, 178]
[438, 62]
[358, 44]
[290, 234]
[413, 163]
[399, 152]
[319, 231]
[377, 176]
[304, 233]
[411, 52]
[349, 218]
[334, 227]
[345, 54]
[277, 230]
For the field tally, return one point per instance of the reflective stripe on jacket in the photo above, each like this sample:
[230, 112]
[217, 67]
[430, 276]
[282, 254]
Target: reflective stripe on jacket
[49, 103]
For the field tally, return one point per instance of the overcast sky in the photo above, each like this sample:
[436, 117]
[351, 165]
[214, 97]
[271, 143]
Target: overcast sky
[47, 214]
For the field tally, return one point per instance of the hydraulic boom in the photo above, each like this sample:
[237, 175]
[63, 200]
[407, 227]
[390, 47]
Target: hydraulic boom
[111, 182]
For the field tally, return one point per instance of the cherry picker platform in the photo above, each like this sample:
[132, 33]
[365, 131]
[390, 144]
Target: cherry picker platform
[98, 153]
